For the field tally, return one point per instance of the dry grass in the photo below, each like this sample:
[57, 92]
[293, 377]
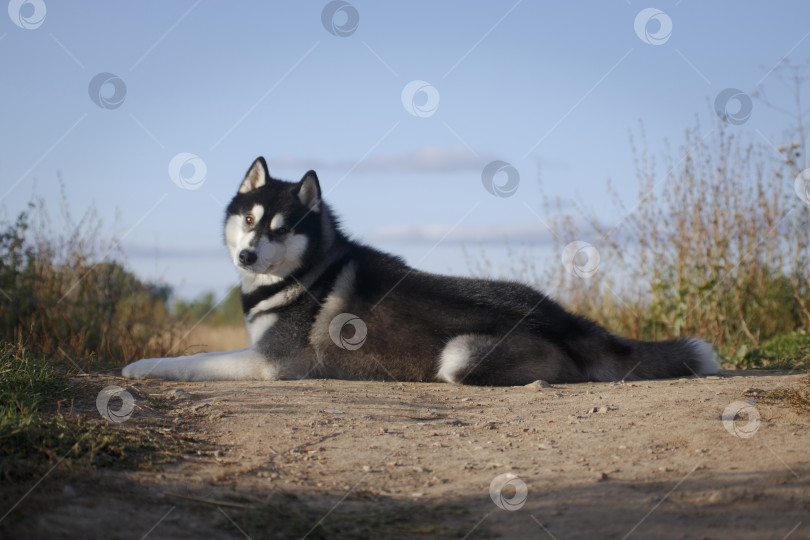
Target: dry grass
[797, 397]
[715, 245]
[205, 338]
[65, 296]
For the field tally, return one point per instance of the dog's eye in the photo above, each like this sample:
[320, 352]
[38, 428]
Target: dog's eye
[249, 220]
[282, 230]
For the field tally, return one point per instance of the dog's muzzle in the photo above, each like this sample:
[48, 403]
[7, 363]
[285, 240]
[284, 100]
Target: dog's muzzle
[247, 257]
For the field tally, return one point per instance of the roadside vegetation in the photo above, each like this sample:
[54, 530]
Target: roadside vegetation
[68, 308]
[715, 245]
[40, 428]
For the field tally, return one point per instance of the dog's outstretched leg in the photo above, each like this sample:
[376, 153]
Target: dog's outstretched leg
[246, 364]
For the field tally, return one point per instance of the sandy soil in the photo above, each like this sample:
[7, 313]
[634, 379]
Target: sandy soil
[321, 458]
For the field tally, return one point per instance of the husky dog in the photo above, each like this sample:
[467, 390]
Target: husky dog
[318, 304]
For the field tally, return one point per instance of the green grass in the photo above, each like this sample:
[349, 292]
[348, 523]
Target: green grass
[26, 381]
[36, 432]
[787, 351]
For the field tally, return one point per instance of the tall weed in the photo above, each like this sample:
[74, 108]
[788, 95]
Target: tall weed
[62, 293]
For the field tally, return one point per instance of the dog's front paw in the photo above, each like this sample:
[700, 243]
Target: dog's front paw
[142, 369]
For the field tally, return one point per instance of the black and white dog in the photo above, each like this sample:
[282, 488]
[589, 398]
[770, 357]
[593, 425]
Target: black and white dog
[317, 304]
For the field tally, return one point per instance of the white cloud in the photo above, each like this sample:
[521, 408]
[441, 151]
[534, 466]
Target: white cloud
[135, 250]
[294, 163]
[525, 231]
[424, 159]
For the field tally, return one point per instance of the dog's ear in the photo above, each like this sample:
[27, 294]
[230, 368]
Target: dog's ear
[256, 176]
[309, 191]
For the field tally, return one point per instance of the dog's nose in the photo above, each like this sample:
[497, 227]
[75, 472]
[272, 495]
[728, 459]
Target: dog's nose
[247, 257]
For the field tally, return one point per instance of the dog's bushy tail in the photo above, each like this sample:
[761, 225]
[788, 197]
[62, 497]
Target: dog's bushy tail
[625, 359]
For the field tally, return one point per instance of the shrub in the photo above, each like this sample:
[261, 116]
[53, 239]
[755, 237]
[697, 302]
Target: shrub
[715, 247]
[64, 295]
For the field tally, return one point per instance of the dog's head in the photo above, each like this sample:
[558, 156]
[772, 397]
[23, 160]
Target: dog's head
[271, 226]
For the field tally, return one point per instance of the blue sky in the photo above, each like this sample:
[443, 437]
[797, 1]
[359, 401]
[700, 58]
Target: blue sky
[550, 87]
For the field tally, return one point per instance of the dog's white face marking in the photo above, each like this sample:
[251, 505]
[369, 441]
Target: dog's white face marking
[235, 235]
[257, 212]
[277, 222]
[275, 259]
[294, 247]
[239, 234]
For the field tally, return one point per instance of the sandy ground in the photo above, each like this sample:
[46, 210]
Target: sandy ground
[321, 458]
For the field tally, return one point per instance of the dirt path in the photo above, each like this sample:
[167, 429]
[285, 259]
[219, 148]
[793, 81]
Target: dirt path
[639, 460]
